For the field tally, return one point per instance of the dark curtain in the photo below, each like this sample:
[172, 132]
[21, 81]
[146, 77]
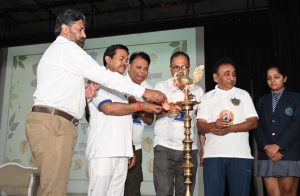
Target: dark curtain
[285, 20]
[254, 42]
[248, 41]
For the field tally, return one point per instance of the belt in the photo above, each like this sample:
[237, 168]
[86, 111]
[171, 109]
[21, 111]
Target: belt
[57, 112]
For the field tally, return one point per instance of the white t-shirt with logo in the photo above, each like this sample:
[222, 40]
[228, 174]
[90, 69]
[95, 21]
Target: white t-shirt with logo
[235, 104]
[169, 129]
[138, 124]
[108, 135]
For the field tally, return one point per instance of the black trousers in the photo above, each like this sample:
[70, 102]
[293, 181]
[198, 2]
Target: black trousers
[134, 177]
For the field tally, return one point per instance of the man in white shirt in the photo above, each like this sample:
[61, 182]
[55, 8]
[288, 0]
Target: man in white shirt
[138, 69]
[226, 115]
[169, 133]
[59, 100]
[109, 144]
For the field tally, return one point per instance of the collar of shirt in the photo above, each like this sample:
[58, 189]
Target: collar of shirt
[224, 91]
[280, 92]
[62, 38]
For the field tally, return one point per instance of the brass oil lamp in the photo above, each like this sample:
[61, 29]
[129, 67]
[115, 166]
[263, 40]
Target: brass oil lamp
[187, 105]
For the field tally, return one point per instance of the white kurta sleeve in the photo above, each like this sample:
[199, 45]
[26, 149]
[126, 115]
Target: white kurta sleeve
[83, 64]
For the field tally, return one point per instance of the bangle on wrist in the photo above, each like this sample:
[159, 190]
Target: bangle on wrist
[139, 106]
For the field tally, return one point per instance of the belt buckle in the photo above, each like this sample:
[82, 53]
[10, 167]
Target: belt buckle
[75, 121]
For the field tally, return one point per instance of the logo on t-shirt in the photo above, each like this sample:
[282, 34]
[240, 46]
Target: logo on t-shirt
[136, 119]
[180, 116]
[227, 115]
[235, 101]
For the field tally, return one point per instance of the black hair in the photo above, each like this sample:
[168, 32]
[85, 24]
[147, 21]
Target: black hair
[222, 61]
[179, 53]
[141, 54]
[279, 68]
[67, 17]
[111, 51]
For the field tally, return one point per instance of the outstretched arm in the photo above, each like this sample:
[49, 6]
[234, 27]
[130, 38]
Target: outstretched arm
[147, 118]
[154, 96]
[120, 109]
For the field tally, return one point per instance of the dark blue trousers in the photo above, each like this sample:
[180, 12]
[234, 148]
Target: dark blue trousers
[236, 171]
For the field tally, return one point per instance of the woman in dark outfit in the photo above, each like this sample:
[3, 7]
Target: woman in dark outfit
[278, 136]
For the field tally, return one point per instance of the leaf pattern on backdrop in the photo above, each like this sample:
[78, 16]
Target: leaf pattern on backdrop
[13, 96]
[179, 46]
[12, 126]
[34, 66]
[147, 144]
[18, 61]
[22, 57]
[15, 62]
[153, 58]
[34, 81]
[174, 44]
[77, 164]
[150, 165]
[23, 146]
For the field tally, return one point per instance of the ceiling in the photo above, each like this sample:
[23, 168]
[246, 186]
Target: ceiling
[32, 21]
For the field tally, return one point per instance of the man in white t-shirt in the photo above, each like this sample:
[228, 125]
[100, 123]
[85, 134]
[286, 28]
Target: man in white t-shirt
[226, 115]
[169, 133]
[138, 69]
[109, 144]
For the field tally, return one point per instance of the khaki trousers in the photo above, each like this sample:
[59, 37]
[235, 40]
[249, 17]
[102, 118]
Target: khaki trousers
[52, 139]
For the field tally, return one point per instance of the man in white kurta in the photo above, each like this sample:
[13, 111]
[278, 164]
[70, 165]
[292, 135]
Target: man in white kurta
[60, 99]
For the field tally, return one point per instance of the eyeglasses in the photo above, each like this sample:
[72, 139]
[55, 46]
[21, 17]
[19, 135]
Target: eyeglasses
[179, 68]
